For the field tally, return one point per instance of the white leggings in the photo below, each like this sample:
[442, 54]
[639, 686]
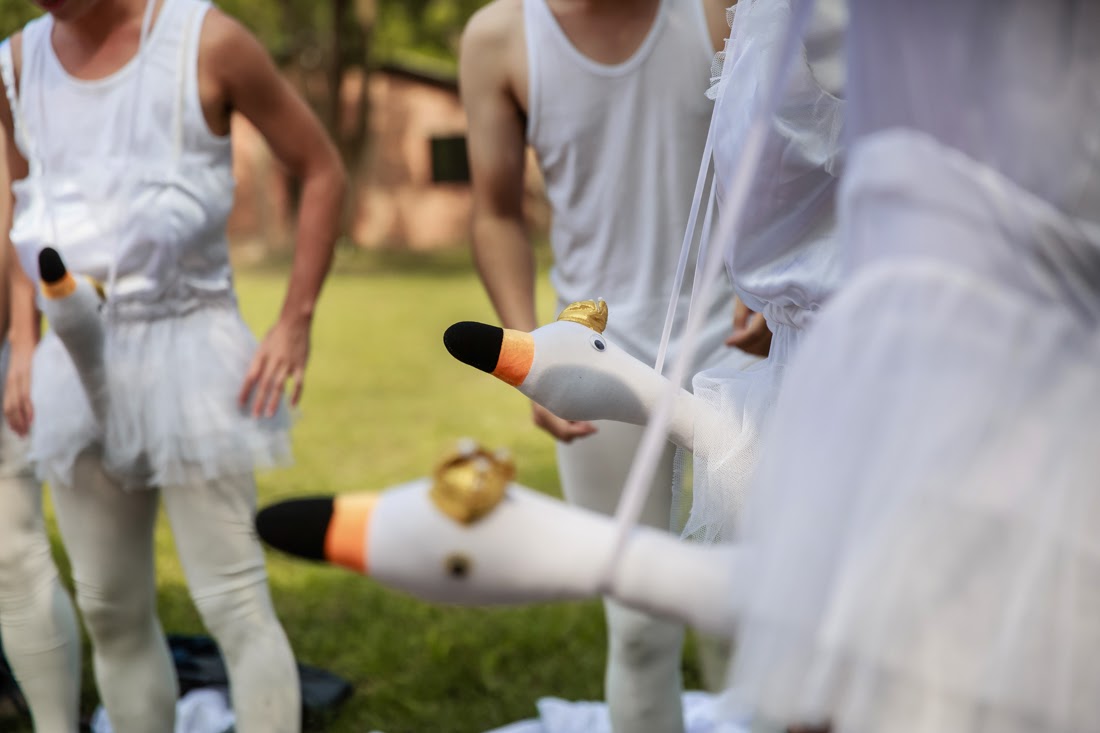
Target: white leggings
[108, 533]
[643, 680]
[37, 622]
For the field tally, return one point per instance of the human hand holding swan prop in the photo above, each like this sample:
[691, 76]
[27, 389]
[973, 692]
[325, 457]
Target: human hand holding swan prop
[572, 369]
[469, 535]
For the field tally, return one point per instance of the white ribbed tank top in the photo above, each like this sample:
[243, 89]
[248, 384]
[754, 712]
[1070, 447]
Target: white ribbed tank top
[124, 171]
[619, 147]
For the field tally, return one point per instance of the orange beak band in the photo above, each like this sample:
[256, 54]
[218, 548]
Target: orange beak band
[324, 528]
[63, 288]
[517, 353]
[346, 539]
[502, 352]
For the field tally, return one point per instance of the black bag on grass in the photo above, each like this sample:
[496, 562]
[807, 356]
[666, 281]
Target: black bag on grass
[199, 664]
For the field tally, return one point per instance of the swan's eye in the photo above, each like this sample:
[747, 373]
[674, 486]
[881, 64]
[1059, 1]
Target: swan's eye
[598, 343]
[457, 565]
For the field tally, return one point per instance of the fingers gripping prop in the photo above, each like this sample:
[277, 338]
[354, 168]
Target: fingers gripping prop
[470, 536]
[72, 307]
[572, 369]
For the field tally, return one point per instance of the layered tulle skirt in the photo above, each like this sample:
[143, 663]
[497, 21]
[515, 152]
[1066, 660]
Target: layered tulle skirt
[922, 551]
[173, 417]
[725, 460]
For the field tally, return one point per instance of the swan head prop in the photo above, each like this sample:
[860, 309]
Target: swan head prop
[468, 483]
[527, 547]
[569, 366]
[55, 279]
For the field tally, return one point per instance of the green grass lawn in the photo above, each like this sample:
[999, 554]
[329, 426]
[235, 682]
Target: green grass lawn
[383, 399]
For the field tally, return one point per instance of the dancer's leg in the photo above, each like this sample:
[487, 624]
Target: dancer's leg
[109, 536]
[643, 681]
[221, 555]
[37, 621]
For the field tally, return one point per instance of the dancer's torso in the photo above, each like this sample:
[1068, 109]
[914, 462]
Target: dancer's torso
[145, 190]
[619, 148]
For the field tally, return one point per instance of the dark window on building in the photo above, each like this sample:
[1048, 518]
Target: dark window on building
[449, 164]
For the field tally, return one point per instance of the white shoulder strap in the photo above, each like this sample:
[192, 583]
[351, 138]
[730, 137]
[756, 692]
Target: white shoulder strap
[188, 65]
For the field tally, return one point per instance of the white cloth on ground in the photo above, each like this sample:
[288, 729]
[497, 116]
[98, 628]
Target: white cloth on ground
[205, 710]
[702, 714]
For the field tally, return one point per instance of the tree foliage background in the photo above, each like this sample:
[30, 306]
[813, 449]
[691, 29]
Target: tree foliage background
[317, 42]
[428, 29]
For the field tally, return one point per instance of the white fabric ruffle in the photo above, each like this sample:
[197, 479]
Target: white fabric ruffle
[925, 553]
[725, 461]
[703, 713]
[173, 417]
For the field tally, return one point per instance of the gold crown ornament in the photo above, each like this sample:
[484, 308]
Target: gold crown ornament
[589, 313]
[470, 481]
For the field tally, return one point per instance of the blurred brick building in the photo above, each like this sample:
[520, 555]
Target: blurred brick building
[412, 189]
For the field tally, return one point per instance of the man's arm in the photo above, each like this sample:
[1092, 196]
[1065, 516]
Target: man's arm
[24, 323]
[496, 147]
[253, 86]
[496, 144]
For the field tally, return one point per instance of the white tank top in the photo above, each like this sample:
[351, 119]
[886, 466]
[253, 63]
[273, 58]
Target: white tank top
[619, 147]
[146, 189]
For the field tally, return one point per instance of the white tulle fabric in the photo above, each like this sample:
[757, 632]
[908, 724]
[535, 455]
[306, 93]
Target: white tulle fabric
[785, 263]
[924, 554]
[724, 462]
[172, 404]
[925, 557]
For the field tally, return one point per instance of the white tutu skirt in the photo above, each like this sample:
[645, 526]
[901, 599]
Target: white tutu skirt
[173, 417]
[724, 461]
[923, 545]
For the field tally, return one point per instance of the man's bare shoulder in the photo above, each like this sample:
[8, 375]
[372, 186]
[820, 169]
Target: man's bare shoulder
[493, 56]
[496, 27]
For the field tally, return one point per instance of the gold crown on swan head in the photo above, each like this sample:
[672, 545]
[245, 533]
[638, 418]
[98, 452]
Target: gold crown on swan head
[590, 313]
[470, 481]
